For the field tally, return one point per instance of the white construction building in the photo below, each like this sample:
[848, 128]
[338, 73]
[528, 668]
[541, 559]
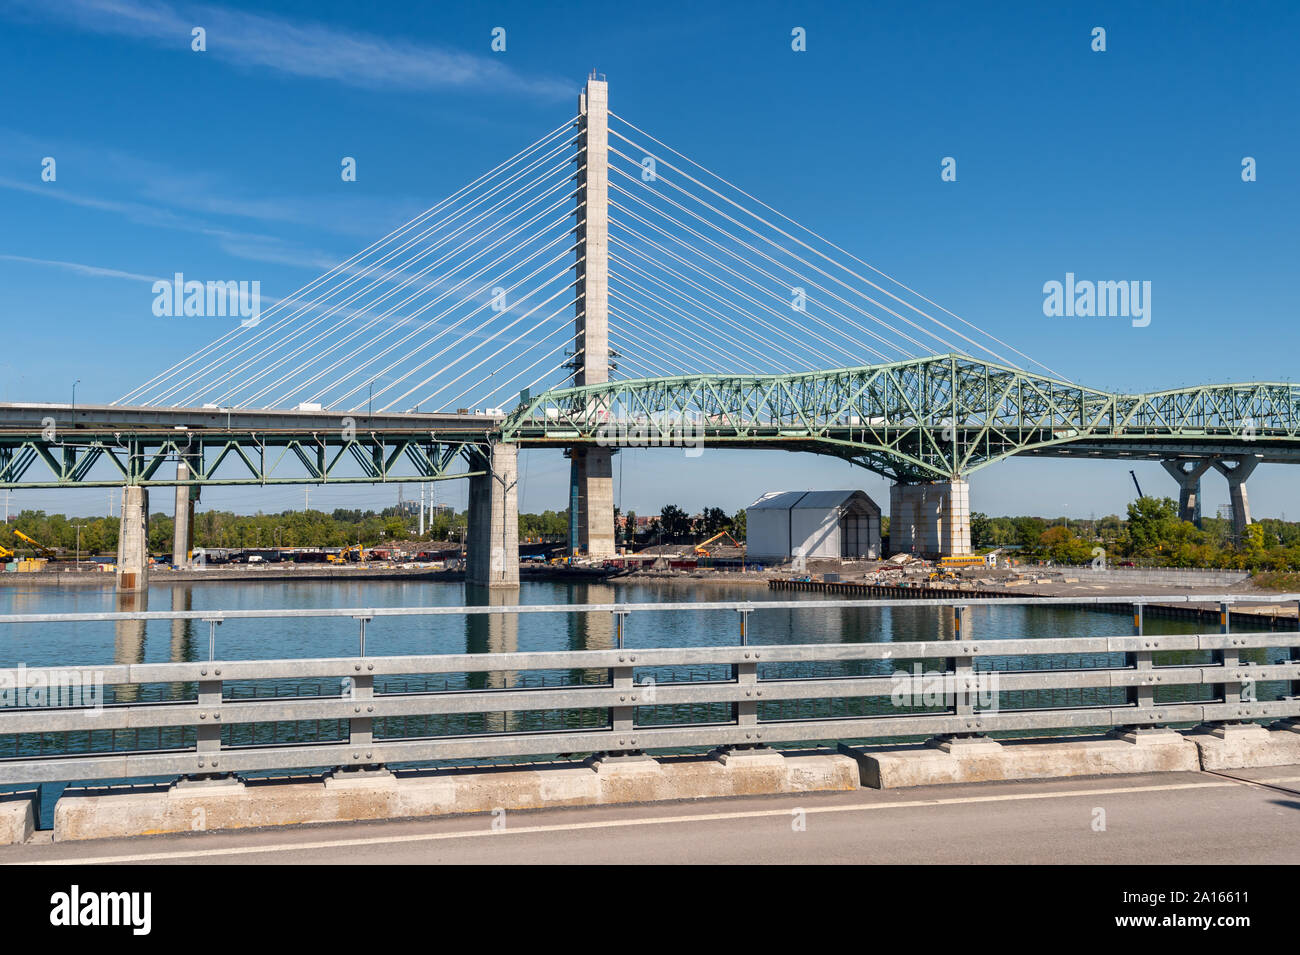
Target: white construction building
[842, 525]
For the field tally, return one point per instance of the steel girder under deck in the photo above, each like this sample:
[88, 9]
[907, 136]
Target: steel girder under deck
[30, 460]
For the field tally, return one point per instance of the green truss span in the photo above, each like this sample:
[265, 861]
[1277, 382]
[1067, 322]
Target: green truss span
[932, 418]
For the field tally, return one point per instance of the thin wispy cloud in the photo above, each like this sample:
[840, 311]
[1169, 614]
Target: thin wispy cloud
[80, 268]
[298, 48]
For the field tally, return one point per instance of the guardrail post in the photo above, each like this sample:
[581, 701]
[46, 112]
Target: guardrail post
[361, 728]
[1142, 696]
[745, 712]
[622, 718]
[208, 743]
[1228, 691]
[963, 667]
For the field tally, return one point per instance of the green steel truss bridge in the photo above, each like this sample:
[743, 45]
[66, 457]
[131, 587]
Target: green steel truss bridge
[922, 420]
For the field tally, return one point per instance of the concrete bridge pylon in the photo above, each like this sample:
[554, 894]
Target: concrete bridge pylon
[592, 471]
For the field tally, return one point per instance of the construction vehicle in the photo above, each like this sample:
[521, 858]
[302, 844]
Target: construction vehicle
[34, 543]
[702, 549]
[1133, 475]
[342, 556]
[6, 553]
[952, 563]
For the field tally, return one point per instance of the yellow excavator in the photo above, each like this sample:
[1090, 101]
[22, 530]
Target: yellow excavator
[342, 556]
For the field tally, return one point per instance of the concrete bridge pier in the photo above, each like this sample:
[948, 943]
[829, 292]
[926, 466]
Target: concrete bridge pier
[183, 534]
[492, 545]
[1237, 473]
[133, 540]
[595, 479]
[1188, 475]
[930, 520]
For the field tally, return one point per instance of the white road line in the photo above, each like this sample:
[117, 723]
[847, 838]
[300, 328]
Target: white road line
[607, 824]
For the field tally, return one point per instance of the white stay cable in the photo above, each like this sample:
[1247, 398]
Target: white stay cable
[356, 332]
[770, 293]
[727, 358]
[353, 370]
[798, 342]
[473, 329]
[820, 361]
[820, 271]
[510, 344]
[765, 360]
[546, 301]
[400, 230]
[283, 340]
[781, 265]
[821, 238]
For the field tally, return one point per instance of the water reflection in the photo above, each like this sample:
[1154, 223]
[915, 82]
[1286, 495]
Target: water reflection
[182, 642]
[129, 638]
[492, 633]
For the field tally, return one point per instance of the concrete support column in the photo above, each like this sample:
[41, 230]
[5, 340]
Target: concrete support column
[595, 501]
[593, 467]
[183, 535]
[1188, 475]
[930, 520]
[492, 558]
[133, 540]
[1237, 474]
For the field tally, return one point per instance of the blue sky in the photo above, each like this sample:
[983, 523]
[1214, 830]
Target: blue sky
[1122, 165]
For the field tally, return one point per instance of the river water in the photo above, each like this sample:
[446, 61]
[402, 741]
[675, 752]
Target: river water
[159, 641]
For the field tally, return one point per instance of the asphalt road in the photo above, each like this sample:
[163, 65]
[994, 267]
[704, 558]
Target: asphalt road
[1165, 818]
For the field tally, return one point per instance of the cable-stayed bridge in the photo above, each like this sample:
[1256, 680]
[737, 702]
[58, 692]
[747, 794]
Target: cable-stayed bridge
[600, 290]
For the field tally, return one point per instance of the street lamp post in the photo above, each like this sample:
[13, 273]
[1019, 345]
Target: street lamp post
[74, 400]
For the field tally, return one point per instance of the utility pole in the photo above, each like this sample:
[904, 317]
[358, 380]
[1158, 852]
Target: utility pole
[421, 510]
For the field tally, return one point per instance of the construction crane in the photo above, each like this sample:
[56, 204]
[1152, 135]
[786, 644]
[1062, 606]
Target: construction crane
[37, 544]
[702, 550]
[1133, 475]
[5, 552]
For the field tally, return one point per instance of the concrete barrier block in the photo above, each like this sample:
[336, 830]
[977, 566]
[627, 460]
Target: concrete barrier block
[102, 814]
[17, 817]
[1023, 759]
[1246, 746]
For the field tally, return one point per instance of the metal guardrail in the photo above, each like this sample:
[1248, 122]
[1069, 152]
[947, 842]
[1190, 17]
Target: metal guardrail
[621, 696]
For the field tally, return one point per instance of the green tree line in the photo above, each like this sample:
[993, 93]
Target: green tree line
[1150, 533]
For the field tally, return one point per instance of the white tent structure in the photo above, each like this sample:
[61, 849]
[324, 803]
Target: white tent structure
[842, 525]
